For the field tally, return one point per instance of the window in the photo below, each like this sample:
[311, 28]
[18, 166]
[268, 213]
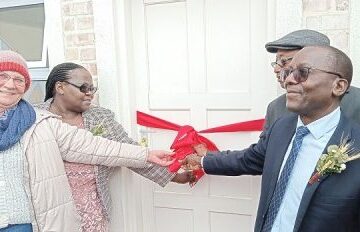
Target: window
[22, 29]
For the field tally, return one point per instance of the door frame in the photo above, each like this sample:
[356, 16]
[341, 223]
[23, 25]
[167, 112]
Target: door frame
[117, 73]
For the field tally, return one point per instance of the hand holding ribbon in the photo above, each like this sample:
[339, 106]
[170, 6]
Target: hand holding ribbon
[188, 141]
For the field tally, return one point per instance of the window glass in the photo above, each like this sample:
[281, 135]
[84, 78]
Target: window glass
[36, 92]
[22, 30]
[22, 26]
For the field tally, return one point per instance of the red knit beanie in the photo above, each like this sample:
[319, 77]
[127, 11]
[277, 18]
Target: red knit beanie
[12, 61]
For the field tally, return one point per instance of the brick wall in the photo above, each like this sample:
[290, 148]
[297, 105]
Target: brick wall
[79, 37]
[330, 17]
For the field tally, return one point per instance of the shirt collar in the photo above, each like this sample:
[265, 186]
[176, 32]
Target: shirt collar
[323, 125]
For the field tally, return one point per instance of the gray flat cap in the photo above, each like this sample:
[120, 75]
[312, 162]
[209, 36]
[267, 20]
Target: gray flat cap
[297, 40]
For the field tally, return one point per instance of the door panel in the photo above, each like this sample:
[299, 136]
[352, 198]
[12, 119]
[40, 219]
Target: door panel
[201, 63]
[226, 24]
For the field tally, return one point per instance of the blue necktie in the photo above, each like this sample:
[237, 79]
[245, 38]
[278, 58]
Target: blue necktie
[283, 181]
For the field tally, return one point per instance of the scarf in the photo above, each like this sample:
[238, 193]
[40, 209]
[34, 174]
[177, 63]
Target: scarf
[16, 122]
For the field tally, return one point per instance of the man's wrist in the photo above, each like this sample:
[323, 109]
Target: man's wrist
[202, 162]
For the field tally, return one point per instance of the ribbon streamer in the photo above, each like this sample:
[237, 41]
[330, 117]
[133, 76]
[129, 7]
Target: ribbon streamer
[187, 137]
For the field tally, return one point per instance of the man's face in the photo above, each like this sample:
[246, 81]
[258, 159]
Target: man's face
[283, 59]
[314, 96]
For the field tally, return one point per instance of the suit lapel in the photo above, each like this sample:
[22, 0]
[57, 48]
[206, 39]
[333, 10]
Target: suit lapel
[282, 142]
[342, 131]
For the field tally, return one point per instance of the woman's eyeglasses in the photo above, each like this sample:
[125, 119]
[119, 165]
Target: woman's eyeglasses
[84, 88]
[20, 82]
[301, 74]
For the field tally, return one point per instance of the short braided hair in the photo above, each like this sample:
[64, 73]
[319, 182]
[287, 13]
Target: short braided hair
[59, 73]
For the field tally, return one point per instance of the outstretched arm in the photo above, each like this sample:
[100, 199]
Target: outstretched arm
[115, 131]
[81, 146]
[249, 161]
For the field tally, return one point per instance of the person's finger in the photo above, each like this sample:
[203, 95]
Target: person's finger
[166, 163]
[168, 153]
[190, 176]
[184, 161]
[186, 167]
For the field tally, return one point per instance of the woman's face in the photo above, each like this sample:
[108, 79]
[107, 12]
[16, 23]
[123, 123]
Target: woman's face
[12, 88]
[73, 98]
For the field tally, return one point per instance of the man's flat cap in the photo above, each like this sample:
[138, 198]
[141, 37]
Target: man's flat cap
[297, 40]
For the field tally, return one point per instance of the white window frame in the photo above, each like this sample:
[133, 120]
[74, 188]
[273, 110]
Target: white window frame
[31, 64]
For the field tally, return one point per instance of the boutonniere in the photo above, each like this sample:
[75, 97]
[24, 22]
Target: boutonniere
[334, 161]
[144, 142]
[98, 130]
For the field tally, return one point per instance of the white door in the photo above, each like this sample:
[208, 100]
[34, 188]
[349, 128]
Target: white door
[202, 63]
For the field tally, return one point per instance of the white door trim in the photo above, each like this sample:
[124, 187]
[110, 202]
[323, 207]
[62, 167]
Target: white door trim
[54, 32]
[113, 42]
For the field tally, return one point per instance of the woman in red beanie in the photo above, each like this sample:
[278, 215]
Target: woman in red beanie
[34, 190]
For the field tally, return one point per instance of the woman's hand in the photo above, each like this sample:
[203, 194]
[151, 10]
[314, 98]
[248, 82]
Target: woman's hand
[162, 158]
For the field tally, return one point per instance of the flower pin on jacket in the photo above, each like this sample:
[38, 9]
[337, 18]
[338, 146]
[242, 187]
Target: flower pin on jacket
[98, 130]
[334, 161]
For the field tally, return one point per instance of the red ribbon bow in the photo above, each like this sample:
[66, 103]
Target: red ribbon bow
[188, 137]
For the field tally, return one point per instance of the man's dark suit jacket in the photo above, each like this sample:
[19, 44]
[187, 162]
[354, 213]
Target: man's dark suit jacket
[350, 105]
[330, 205]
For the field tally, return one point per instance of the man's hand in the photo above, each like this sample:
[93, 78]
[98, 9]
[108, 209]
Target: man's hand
[162, 158]
[183, 178]
[192, 162]
[200, 149]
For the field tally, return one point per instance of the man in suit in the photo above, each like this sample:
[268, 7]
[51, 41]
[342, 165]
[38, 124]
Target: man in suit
[285, 49]
[286, 155]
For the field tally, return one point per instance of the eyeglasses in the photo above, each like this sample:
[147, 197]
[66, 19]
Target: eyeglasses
[281, 62]
[301, 74]
[18, 81]
[84, 88]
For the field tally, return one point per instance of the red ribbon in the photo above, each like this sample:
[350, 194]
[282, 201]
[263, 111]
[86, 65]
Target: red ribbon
[188, 137]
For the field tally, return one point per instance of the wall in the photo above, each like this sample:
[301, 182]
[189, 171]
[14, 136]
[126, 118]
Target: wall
[340, 20]
[330, 17]
[79, 36]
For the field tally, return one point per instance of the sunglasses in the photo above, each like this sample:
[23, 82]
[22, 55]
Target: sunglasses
[301, 74]
[84, 88]
[281, 62]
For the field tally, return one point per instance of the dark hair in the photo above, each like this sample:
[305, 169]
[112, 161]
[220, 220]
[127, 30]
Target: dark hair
[59, 73]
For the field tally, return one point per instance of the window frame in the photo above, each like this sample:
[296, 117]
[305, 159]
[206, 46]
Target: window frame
[44, 56]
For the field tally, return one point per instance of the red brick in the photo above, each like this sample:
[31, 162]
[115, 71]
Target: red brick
[71, 40]
[86, 39]
[85, 23]
[69, 24]
[66, 9]
[72, 54]
[88, 54]
[91, 67]
[80, 8]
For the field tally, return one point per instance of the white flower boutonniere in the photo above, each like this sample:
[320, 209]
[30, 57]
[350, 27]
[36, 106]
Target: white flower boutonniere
[98, 130]
[144, 142]
[334, 161]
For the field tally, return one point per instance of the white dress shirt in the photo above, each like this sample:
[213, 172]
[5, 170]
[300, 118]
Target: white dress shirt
[311, 149]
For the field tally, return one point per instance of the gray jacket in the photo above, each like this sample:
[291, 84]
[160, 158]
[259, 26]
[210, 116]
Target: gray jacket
[350, 106]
